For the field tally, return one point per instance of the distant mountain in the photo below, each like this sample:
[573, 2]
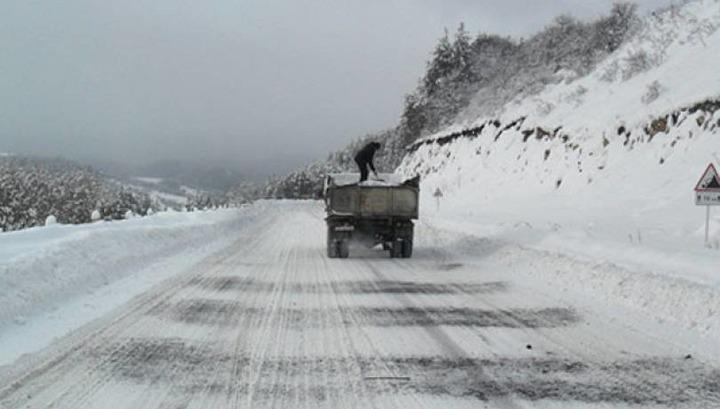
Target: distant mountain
[191, 174]
[195, 175]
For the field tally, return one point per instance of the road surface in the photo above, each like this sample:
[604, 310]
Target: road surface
[270, 321]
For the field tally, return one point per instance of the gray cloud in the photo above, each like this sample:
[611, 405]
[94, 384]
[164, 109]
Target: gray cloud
[245, 82]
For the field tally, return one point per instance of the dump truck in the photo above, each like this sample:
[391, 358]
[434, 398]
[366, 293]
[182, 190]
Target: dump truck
[374, 212]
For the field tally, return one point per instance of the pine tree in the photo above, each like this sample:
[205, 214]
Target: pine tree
[462, 55]
[440, 66]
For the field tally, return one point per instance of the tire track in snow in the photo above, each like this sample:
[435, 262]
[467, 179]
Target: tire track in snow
[613, 375]
[558, 342]
[451, 348]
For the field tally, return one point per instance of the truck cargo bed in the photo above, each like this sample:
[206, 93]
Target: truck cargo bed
[391, 197]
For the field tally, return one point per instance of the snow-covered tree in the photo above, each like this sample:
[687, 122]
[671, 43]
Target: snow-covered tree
[31, 189]
[441, 65]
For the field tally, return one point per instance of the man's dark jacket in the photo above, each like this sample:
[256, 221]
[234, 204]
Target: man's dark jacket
[366, 154]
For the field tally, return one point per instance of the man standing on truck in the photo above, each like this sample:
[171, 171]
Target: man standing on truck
[364, 159]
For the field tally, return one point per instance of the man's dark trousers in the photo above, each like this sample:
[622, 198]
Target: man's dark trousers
[363, 170]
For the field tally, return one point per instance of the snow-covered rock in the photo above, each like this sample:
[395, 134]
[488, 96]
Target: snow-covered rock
[50, 220]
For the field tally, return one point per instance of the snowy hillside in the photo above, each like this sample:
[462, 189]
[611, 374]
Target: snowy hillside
[35, 189]
[600, 166]
[627, 130]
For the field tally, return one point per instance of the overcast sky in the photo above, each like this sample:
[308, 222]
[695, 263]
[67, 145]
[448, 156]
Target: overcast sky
[248, 82]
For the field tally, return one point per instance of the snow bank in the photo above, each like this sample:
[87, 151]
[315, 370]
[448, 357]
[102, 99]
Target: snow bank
[44, 269]
[641, 281]
[600, 170]
[149, 180]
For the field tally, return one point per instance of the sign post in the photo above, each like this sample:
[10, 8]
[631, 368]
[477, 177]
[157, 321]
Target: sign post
[707, 193]
[707, 226]
[438, 194]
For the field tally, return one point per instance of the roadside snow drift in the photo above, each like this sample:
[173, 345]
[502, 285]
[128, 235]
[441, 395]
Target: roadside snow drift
[58, 277]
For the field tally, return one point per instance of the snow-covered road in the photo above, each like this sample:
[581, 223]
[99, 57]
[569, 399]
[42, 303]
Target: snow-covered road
[269, 321]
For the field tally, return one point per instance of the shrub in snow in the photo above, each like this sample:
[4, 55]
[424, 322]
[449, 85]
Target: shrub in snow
[95, 215]
[150, 212]
[50, 220]
[129, 214]
[610, 72]
[205, 201]
[652, 93]
[635, 63]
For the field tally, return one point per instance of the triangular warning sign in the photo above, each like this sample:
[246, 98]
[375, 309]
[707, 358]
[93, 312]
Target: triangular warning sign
[710, 180]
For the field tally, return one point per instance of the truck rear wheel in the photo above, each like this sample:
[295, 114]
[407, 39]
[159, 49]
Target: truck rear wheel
[396, 249]
[332, 251]
[332, 247]
[407, 248]
[343, 248]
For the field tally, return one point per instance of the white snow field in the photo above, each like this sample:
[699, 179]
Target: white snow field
[267, 320]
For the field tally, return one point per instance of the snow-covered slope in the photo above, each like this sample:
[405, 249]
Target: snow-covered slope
[602, 166]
